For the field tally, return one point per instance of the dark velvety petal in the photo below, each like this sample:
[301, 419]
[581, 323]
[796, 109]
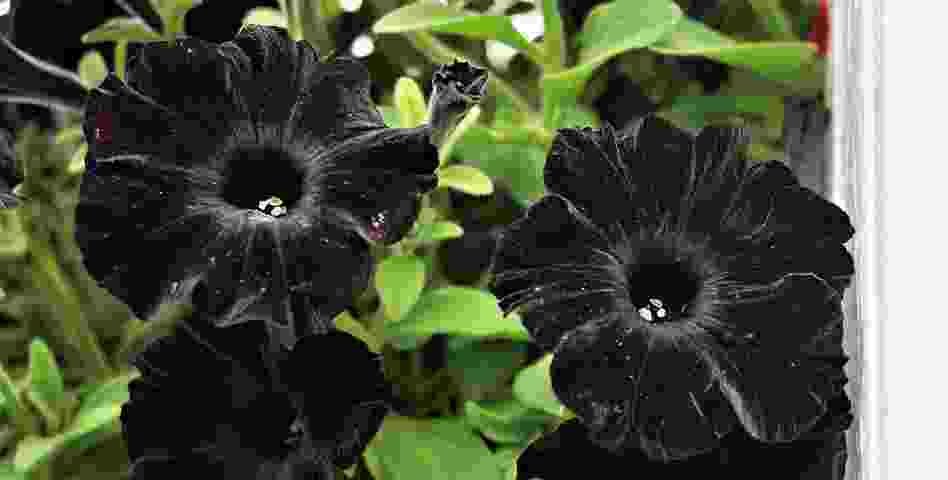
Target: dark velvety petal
[120, 207]
[779, 398]
[216, 383]
[634, 387]
[558, 269]
[717, 172]
[752, 205]
[188, 76]
[319, 264]
[659, 158]
[752, 263]
[337, 105]
[343, 412]
[377, 178]
[122, 121]
[586, 167]
[781, 316]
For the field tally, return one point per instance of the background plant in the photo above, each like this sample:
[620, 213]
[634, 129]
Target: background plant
[475, 393]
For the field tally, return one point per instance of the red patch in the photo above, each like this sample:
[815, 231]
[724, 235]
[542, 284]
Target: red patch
[103, 127]
[820, 29]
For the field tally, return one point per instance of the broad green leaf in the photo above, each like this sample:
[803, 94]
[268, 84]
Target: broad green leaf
[69, 134]
[533, 388]
[9, 472]
[506, 458]
[465, 178]
[433, 16]
[790, 62]
[413, 449]
[92, 69]
[410, 103]
[615, 27]
[698, 110]
[436, 232]
[121, 28]
[507, 421]
[110, 392]
[399, 281]
[518, 166]
[265, 16]
[484, 365]
[346, 323]
[97, 418]
[457, 311]
[610, 29]
[8, 394]
[46, 386]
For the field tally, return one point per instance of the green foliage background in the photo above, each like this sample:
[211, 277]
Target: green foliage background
[65, 343]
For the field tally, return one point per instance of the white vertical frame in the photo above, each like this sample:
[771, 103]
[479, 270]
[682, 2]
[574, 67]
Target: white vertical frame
[854, 184]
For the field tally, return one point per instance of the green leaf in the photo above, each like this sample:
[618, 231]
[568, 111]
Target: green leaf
[33, 451]
[457, 311]
[533, 387]
[433, 16]
[465, 178]
[8, 472]
[484, 364]
[698, 110]
[172, 14]
[610, 29]
[346, 323]
[46, 386]
[507, 421]
[412, 449]
[519, 166]
[265, 16]
[390, 116]
[121, 28]
[9, 400]
[92, 69]
[466, 123]
[506, 458]
[622, 25]
[399, 280]
[410, 103]
[790, 62]
[436, 232]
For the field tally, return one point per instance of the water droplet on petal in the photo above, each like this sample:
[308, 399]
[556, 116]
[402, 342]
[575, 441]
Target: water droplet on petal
[377, 224]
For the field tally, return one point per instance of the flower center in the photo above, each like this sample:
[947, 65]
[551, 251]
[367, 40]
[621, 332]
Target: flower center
[662, 288]
[262, 179]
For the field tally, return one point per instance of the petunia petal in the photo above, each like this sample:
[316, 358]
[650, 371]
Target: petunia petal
[781, 316]
[558, 269]
[659, 158]
[717, 172]
[635, 387]
[347, 417]
[377, 178]
[586, 167]
[123, 121]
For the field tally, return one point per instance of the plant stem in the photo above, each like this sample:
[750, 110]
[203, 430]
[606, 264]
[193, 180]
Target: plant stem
[438, 52]
[74, 324]
[121, 55]
[553, 42]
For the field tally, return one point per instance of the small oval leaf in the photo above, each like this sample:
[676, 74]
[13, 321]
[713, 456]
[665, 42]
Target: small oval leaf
[534, 388]
[46, 380]
[265, 16]
[410, 103]
[92, 69]
[465, 178]
[457, 311]
[121, 29]
[438, 231]
[399, 280]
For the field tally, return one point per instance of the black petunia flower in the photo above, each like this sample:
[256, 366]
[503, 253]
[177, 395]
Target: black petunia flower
[212, 403]
[251, 175]
[682, 290]
[818, 455]
[8, 174]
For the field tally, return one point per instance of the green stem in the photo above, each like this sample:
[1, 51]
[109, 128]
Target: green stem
[554, 45]
[438, 52]
[121, 55]
[74, 324]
